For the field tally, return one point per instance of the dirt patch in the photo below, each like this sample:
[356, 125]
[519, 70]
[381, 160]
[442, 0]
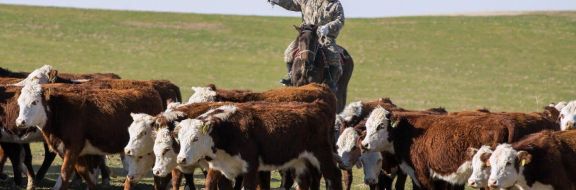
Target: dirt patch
[177, 25]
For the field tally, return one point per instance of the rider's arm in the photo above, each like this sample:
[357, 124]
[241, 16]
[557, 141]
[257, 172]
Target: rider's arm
[292, 5]
[336, 13]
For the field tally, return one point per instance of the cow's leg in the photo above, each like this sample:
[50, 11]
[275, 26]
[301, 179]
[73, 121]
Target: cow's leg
[48, 159]
[384, 181]
[400, 180]
[331, 173]
[67, 168]
[104, 171]
[237, 182]
[264, 178]
[190, 181]
[84, 166]
[14, 152]
[287, 178]
[250, 181]
[28, 164]
[303, 181]
[212, 181]
[3, 158]
[348, 178]
[176, 179]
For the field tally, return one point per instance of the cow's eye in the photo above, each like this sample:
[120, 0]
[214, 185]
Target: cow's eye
[561, 116]
[34, 103]
[508, 163]
[195, 139]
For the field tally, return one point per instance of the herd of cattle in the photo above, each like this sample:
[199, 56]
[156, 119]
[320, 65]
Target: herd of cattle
[238, 136]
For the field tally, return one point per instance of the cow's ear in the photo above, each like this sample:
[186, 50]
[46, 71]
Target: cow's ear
[133, 115]
[212, 87]
[470, 152]
[207, 127]
[524, 157]
[52, 75]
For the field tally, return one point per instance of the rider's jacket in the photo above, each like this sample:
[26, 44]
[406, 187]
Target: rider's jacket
[318, 12]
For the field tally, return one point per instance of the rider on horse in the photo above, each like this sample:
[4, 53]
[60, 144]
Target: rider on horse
[328, 15]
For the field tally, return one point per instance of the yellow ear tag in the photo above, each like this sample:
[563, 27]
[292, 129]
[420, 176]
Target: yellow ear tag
[523, 163]
[205, 129]
[395, 124]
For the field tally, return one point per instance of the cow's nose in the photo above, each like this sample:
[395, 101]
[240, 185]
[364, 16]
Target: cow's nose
[20, 122]
[128, 152]
[493, 183]
[157, 173]
[364, 146]
[181, 160]
[370, 181]
[472, 184]
[131, 178]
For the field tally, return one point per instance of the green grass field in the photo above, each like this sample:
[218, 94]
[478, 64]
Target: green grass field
[504, 63]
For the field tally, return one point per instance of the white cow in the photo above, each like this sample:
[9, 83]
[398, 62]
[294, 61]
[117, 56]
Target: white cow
[202, 94]
[348, 151]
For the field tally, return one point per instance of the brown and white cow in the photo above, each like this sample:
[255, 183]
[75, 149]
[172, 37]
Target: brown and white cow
[243, 139]
[544, 160]
[78, 122]
[432, 148]
[354, 117]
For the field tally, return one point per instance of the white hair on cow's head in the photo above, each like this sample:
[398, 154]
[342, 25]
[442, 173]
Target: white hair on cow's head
[173, 115]
[480, 169]
[222, 112]
[172, 106]
[202, 94]
[195, 141]
[558, 105]
[568, 116]
[33, 112]
[347, 149]
[40, 76]
[352, 110]
[141, 135]
[165, 154]
[377, 133]
[506, 166]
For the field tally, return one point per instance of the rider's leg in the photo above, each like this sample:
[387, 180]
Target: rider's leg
[334, 65]
[288, 59]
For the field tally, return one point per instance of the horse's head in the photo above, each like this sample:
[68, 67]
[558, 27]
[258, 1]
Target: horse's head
[306, 68]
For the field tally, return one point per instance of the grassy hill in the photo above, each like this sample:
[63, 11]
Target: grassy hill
[504, 63]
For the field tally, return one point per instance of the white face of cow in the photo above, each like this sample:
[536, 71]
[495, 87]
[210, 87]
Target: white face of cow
[139, 166]
[377, 133]
[506, 166]
[480, 168]
[568, 116]
[32, 110]
[347, 149]
[559, 105]
[195, 141]
[141, 135]
[202, 94]
[372, 166]
[165, 155]
[40, 76]
[172, 106]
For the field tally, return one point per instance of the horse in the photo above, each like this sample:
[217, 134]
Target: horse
[310, 66]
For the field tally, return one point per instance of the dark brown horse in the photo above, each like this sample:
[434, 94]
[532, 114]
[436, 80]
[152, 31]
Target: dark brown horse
[310, 64]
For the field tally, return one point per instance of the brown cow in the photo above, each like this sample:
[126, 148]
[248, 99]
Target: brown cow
[78, 122]
[544, 160]
[432, 148]
[246, 138]
[355, 115]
